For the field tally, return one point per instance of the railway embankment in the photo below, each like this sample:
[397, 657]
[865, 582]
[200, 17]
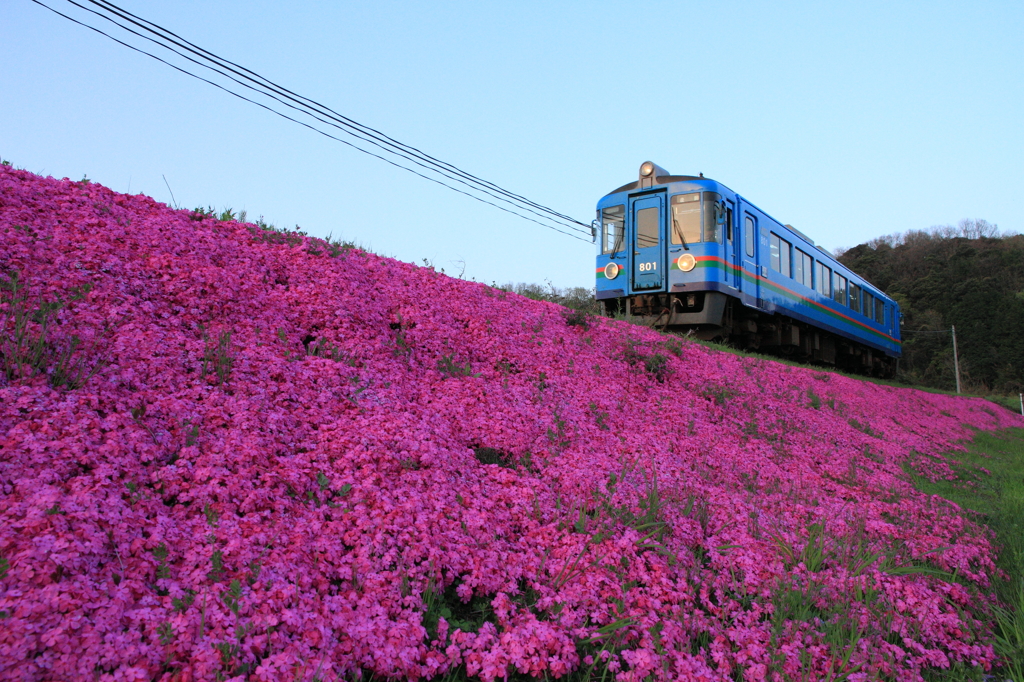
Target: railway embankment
[231, 451]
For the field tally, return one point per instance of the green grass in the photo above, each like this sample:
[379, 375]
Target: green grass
[1010, 402]
[991, 484]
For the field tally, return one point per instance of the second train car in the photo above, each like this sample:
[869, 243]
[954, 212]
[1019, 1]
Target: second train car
[687, 252]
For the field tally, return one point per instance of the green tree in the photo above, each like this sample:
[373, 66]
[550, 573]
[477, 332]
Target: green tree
[968, 276]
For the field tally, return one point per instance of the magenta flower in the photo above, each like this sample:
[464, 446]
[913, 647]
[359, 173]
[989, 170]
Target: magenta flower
[234, 453]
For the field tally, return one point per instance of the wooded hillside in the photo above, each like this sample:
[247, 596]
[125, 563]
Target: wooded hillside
[969, 276]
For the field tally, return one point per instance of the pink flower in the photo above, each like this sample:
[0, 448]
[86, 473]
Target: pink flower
[291, 461]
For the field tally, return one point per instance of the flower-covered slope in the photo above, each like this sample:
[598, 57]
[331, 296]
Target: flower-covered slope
[231, 452]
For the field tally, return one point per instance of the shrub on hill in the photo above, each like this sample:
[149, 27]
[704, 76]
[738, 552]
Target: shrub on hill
[576, 298]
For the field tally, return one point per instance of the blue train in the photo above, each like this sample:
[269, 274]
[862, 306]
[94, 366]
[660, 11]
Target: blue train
[687, 252]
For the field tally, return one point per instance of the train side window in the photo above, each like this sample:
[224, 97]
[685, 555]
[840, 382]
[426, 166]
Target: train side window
[612, 223]
[685, 218]
[839, 292]
[728, 224]
[712, 217]
[824, 280]
[854, 297]
[803, 269]
[879, 311]
[748, 235]
[780, 254]
[869, 305]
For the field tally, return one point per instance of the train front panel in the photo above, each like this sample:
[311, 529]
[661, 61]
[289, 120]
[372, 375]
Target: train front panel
[664, 246]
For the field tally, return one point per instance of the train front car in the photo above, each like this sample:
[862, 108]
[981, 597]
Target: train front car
[689, 253]
[667, 253]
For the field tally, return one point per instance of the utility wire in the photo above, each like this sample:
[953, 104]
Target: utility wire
[320, 119]
[375, 140]
[433, 165]
[372, 132]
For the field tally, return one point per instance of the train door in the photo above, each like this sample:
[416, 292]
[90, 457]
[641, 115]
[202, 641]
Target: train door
[648, 241]
[752, 283]
[732, 248]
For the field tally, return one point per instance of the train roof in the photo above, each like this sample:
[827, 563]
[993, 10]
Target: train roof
[674, 183]
[660, 180]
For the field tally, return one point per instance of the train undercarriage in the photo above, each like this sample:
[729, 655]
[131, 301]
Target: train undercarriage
[713, 316]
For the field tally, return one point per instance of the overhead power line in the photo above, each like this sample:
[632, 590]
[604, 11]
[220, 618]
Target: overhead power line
[258, 84]
[314, 105]
[316, 110]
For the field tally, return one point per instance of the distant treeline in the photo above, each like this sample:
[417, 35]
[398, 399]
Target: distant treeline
[970, 276]
[576, 298]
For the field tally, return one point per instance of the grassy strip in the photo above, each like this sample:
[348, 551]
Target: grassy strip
[991, 483]
[1010, 402]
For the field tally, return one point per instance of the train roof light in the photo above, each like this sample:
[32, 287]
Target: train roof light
[650, 172]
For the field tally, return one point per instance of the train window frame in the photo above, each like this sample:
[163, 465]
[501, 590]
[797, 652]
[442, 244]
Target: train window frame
[803, 268]
[749, 234]
[839, 290]
[710, 205]
[824, 274]
[855, 290]
[647, 229]
[780, 254]
[683, 233]
[611, 239]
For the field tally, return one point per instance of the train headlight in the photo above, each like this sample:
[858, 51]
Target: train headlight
[611, 271]
[686, 262]
[647, 169]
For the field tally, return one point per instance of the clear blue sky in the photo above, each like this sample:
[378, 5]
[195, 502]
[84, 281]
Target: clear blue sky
[848, 121]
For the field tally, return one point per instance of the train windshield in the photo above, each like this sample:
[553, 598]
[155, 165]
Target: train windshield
[686, 218]
[696, 221]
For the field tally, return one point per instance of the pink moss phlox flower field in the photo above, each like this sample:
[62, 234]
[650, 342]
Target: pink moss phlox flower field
[279, 459]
